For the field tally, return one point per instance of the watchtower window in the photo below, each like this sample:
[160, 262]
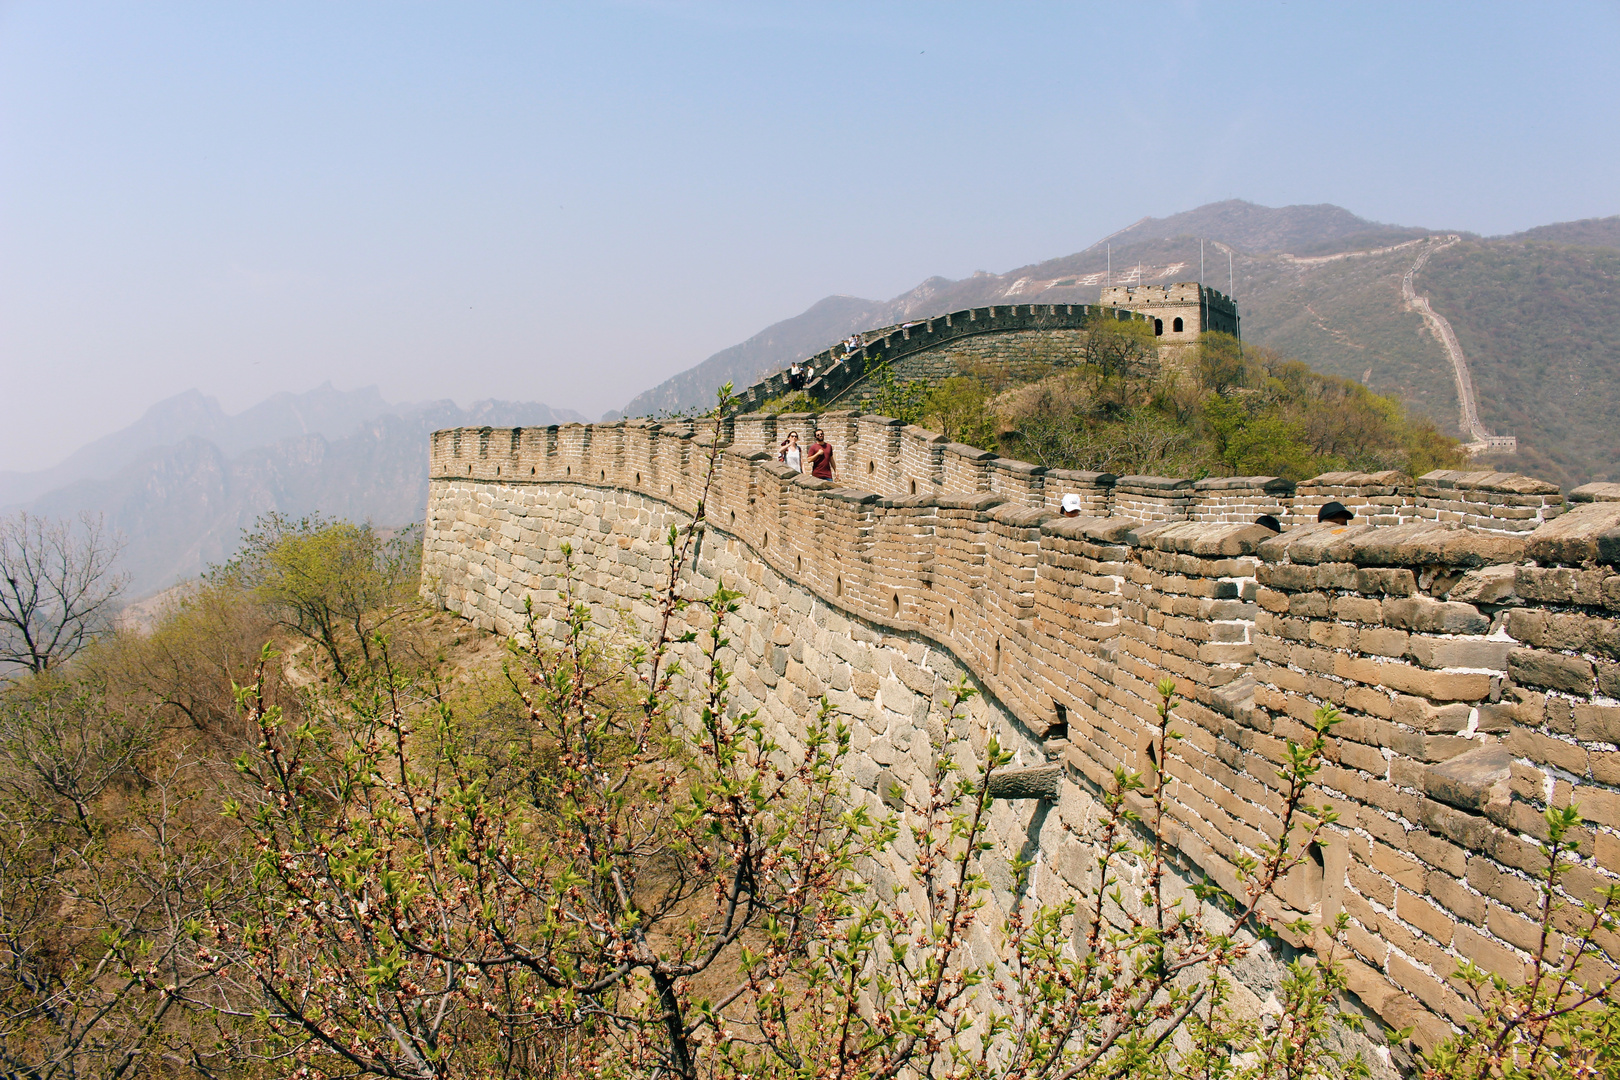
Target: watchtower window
[1158, 327]
[1176, 326]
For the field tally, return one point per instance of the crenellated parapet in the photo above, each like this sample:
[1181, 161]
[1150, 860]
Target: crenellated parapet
[1466, 625]
[882, 456]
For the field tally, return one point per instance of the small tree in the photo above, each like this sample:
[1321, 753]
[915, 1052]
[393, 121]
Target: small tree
[58, 588]
[110, 850]
[892, 397]
[1114, 351]
[1560, 1018]
[327, 580]
[960, 408]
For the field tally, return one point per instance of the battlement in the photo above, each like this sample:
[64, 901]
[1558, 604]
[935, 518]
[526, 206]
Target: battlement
[835, 374]
[1466, 625]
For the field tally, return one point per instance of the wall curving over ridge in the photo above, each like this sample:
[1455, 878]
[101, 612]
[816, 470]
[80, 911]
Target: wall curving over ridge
[1467, 625]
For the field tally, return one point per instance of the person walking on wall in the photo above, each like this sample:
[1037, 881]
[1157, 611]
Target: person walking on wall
[791, 455]
[822, 466]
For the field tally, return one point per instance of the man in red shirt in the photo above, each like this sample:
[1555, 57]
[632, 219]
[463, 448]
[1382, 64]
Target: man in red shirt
[821, 458]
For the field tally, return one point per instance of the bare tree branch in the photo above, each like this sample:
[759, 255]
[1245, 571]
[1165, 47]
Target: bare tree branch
[58, 586]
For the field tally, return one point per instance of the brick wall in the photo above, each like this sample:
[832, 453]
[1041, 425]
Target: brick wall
[1478, 670]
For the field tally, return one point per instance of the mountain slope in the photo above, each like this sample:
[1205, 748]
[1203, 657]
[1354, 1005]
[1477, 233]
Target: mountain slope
[1302, 230]
[1540, 324]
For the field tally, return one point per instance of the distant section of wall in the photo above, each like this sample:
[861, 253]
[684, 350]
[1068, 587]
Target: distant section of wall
[836, 376]
[978, 354]
[1478, 668]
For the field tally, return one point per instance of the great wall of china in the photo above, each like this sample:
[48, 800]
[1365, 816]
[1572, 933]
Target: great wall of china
[1466, 624]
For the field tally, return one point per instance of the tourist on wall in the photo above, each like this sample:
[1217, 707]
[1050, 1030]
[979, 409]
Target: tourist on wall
[790, 454]
[1269, 522]
[1336, 512]
[822, 466]
[1071, 505]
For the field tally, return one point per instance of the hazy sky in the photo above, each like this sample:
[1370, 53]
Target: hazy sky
[570, 202]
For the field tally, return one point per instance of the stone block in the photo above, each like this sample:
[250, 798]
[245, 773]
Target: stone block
[1588, 533]
[1435, 616]
[1471, 781]
[1488, 585]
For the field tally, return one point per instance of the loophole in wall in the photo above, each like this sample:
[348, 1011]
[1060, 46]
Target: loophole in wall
[603, 474]
[531, 470]
[568, 470]
[871, 466]
[1312, 875]
[638, 478]
[914, 487]
[497, 470]
[995, 662]
[798, 564]
[838, 586]
[894, 605]
[950, 621]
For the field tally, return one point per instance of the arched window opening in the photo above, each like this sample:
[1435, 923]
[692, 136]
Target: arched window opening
[1158, 327]
[1177, 326]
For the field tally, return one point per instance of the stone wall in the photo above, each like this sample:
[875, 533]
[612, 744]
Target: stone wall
[1478, 669]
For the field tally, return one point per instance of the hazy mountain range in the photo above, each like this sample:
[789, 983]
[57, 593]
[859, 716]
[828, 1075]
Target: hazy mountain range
[182, 482]
[1537, 314]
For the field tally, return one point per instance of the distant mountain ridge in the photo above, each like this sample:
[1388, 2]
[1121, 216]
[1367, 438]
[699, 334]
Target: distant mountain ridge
[1071, 279]
[1553, 309]
[181, 483]
[323, 410]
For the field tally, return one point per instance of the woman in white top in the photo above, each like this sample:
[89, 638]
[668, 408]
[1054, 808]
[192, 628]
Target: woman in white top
[790, 455]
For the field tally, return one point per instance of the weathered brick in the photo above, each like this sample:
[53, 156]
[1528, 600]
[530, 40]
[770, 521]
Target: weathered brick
[1450, 893]
[1435, 616]
[1412, 908]
[1400, 866]
[1533, 667]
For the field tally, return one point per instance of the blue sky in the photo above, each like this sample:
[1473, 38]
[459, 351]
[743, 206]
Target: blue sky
[570, 202]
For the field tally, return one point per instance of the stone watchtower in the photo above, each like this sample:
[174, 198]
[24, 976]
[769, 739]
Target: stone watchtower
[1180, 312]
